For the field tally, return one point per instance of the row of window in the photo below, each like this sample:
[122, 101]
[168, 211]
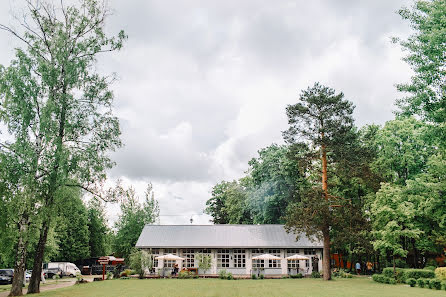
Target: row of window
[238, 256]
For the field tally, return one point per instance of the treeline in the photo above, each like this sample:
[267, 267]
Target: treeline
[375, 192]
[80, 229]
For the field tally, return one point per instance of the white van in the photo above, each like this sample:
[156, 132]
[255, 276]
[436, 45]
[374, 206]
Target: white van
[67, 268]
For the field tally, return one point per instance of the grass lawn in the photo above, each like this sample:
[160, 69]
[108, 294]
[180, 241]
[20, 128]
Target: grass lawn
[216, 287]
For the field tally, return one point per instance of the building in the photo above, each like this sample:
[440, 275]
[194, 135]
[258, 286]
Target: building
[232, 247]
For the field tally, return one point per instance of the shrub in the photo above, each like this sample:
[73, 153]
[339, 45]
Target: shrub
[440, 273]
[262, 276]
[420, 282]
[392, 281]
[253, 276]
[342, 274]
[299, 275]
[388, 272]
[315, 274]
[222, 274]
[411, 282]
[285, 276]
[229, 276]
[430, 268]
[184, 274]
[435, 284]
[109, 275]
[416, 274]
[443, 285]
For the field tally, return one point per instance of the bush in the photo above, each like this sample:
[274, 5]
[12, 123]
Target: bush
[411, 282]
[262, 276]
[253, 276]
[440, 273]
[417, 273]
[299, 275]
[430, 268]
[421, 282]
[229, 276]
[435, 284]
[342, 274]
[184, 274]
[443, 285]
[315, 274]
[285, 276]
[381, 278]
[388, 272]
[222, 274]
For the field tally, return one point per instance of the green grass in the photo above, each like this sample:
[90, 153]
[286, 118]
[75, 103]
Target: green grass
[216, 287]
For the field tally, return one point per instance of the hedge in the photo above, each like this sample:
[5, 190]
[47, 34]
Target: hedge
[440, 273]
[402, 274]
[380, 278]
[421, 282]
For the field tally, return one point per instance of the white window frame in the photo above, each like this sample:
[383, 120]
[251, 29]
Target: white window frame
[223, 258]
[239, 258]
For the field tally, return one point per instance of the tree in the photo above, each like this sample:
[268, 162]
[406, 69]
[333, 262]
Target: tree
[393, 219]
[404, 146]
[204, 261]
[139, 261]
[57, 108]
[426, 49]
[98, 229]
[229, 204]
[133, 218]
[323, 119]
[71, 227]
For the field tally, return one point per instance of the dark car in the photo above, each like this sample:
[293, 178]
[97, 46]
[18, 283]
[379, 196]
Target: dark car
[51, 272]
[6, 276]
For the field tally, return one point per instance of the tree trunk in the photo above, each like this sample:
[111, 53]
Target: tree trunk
[19, 267]
[394, 267]
[324, 170]
[34, 283]
[326, 261]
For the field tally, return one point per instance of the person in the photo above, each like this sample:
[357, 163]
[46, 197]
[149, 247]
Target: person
[175, 269]
[369, 267]
[358, 268]
[42, 276]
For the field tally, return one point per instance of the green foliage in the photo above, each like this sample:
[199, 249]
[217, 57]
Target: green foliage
[133, 218]
[109, 275]
[341, 273]
[315, 274]
[430, 268]
[440, 273]
[222, 274]
[139, 260]
[99, 232]
[229, 276]
[381, 278]
[435, 284]
[299, 275]
[186, 274]
[417, 273]
[262, 276]
[411, 282]
[443, 285]
[253, 276]
[204, 261]
[426, 48]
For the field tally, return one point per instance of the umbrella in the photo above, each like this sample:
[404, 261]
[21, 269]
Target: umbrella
[266, 257]
[169, 257]
[298, 257]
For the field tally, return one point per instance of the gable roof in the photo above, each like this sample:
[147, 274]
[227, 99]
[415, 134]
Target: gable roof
[222, 236]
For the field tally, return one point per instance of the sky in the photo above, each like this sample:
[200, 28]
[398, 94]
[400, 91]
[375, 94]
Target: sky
[203, 85]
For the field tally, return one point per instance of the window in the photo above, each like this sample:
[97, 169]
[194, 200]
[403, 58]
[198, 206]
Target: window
[170, 263]
[205, 251]
[258, 263]
[223, 258]
[309, 251]
[239, 258]
[189, 258]
[307, 263]
[290, 252]
[274, 263]
[155, 253]
[293, 264]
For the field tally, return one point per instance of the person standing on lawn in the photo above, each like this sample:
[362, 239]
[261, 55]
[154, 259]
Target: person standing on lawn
[358, 268]
[369, 267]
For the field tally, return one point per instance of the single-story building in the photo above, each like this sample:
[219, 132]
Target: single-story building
[232, 247]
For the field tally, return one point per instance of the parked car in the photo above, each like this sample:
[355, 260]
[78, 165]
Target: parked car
[28, 275]
[6, 276]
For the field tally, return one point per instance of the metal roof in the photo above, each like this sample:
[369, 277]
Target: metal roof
[222, 236]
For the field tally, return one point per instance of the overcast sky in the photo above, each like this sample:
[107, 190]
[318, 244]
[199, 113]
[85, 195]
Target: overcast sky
[203, 85]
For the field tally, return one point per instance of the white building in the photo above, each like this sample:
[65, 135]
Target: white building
[232, 247]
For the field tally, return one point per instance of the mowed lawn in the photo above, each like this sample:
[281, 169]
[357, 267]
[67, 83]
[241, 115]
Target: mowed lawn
[216, 287]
